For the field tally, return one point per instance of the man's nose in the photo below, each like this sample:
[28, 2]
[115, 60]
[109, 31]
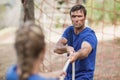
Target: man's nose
[76, 18]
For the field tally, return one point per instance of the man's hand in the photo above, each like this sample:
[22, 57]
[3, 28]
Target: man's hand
[70, 49]
[73, 57]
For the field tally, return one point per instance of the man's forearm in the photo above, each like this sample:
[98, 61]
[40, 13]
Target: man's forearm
[60, 49]
[82, 53]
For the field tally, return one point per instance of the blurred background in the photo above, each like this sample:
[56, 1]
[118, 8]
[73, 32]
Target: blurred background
[103, 16]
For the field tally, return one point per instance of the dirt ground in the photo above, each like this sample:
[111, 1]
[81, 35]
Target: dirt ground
[107, 63]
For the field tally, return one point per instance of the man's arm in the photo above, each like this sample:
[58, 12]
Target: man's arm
[61, 47]
[85, 50]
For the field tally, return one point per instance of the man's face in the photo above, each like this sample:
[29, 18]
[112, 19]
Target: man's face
[78, 18]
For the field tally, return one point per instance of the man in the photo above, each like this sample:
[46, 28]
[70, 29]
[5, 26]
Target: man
[80, 43]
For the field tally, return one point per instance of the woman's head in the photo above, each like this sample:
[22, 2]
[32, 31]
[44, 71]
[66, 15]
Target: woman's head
[29, 45]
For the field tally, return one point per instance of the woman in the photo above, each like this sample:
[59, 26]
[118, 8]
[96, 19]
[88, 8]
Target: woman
[30, 49]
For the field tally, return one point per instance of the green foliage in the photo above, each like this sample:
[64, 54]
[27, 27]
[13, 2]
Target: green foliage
[117, 11]
[58, 24]
[107, 10]
[2, 10]
[60, 2]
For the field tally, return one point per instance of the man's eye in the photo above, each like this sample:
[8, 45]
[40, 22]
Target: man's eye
[79, 16]
[73, 16]
[76, 16]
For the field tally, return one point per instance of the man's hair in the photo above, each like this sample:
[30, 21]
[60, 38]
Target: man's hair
[29, 43]
[79, 7]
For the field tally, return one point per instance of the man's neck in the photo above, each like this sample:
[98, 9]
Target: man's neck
[78, 30]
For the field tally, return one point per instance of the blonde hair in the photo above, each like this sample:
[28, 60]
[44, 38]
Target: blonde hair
[28, 44]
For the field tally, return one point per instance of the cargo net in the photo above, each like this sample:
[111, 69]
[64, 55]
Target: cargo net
[103, 16]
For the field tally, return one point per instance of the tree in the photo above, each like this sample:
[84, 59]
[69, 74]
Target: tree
[28, 10]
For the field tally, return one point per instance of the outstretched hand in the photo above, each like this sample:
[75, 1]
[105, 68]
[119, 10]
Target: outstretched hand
[70, 49]
[73, 57]
[72, 53]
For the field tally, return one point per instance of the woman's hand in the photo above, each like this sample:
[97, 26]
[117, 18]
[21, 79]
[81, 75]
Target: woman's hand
[54, 74]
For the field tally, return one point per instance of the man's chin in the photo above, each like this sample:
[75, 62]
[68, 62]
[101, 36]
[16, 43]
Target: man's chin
[77, 27]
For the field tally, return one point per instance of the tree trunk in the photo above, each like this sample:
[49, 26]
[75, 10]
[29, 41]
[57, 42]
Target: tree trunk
[28, 10]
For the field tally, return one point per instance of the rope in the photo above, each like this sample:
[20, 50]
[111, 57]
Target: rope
[73, 71]
[65, 69]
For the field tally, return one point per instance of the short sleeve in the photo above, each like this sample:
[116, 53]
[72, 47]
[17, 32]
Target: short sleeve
[92, 40]
[67, 32]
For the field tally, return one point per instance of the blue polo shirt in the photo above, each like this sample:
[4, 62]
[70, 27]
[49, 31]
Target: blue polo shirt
[84, 68]
[11, 74]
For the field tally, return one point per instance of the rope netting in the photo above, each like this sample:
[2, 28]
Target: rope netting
[103, 17]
